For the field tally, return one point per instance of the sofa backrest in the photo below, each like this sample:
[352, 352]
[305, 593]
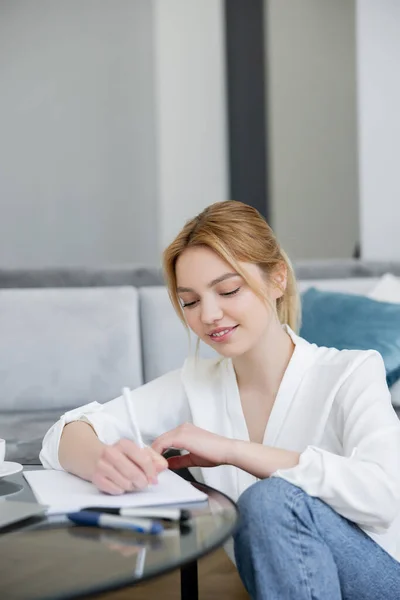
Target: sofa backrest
[60, 348]
[48, 277]
[139, 275]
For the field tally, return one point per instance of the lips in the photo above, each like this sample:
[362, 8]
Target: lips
[221, 332]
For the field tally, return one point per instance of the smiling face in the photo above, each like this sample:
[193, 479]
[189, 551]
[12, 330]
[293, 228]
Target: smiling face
[219, 306]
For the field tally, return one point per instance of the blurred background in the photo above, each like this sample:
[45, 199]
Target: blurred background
[120, 119]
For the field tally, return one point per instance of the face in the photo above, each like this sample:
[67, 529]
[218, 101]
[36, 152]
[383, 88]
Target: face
[219, 307]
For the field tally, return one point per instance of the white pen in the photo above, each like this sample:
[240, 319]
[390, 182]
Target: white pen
[126, 393]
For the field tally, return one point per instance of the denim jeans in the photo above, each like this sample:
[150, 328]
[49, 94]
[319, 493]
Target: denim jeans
[290, 546]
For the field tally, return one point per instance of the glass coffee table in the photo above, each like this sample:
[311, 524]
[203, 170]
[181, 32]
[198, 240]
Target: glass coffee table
[52, 558]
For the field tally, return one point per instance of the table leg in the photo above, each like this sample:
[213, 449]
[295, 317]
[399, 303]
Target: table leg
[189, 582]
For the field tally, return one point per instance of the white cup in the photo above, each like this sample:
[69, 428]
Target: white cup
[2, 451]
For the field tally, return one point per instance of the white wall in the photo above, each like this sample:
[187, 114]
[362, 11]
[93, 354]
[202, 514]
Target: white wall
[191, 109]
[77, 143]
[112, 127]
[378, 71]
[310, 58]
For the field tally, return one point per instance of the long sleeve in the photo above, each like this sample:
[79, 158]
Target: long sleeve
[363, 484]
[159, 405]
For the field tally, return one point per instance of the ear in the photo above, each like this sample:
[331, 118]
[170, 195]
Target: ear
[279, 279]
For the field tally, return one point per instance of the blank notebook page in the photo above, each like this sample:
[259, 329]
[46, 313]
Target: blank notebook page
[63, 492]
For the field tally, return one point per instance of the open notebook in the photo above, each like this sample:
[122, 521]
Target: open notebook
[63, 492]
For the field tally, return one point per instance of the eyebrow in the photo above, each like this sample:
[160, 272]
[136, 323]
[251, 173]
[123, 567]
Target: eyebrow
[212, 283]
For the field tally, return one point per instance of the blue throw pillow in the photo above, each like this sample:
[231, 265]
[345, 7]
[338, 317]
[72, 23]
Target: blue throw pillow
[347, 321]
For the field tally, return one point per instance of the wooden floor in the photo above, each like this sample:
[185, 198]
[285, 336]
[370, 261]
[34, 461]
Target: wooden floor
[218, 579]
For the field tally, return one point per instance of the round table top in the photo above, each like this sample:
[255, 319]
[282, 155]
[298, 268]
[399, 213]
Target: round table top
[52, 558]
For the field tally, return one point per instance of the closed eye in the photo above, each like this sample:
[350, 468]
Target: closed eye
[231, 293]
[191, 304]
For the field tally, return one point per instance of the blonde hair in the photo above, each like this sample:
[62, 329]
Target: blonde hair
[237, 233]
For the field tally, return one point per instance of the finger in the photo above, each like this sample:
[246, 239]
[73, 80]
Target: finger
[181, 462]
[124, 465]
[141, 457]
[158, 446]
[165, 441]
[107, 486]
[110, 473]
[160, 462]
[138, 481]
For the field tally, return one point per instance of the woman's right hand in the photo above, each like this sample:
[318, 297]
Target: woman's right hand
[124, 467]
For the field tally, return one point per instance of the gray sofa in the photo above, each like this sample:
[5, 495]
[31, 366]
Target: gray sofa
[72, 336]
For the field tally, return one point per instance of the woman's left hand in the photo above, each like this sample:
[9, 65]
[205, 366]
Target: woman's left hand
[205, 449]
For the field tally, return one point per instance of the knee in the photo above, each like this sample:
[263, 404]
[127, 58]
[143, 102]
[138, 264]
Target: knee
[265, 512]
[269, 500]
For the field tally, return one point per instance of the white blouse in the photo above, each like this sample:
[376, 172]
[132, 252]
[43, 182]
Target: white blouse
[333, 407]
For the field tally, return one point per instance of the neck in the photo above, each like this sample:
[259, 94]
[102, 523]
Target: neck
[262, 368]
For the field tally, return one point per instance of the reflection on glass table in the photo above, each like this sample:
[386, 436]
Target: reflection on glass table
[53, 558]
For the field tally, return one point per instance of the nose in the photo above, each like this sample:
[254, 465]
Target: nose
[210, 311]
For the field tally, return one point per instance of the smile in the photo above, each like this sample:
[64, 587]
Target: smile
[223, 334]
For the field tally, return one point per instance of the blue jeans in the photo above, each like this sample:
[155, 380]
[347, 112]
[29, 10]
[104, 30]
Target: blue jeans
[290, 546]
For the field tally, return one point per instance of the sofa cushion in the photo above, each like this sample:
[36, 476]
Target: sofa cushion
[387, 289]
[165, 342]
[60, 348]
[352, 285]
[348, 321]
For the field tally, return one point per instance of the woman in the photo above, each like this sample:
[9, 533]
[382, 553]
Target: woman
[304, 437]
